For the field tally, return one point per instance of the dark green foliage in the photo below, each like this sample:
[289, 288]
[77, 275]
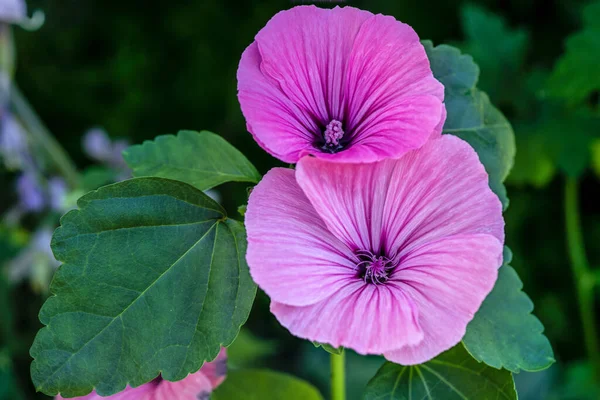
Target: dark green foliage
[154, 281]
[262, 385]
[504, 333]
[202, 159]
[575, 76]
[471, 116]
[451, 375]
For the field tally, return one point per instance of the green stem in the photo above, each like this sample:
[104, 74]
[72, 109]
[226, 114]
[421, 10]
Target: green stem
[338, 380]
[584, 279]
[43, 137]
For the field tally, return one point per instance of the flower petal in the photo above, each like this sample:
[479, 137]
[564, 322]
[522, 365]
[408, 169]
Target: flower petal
[277, 124]
[216, 370]
[291, 254]
[369, 319]
[194, 386]
[436, 191]
[394, 102]
[310, 66]
[448, 280]
[291, 78]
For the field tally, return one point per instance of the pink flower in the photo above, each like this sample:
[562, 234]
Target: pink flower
[341, 84]
[196, 386]
[391, 258]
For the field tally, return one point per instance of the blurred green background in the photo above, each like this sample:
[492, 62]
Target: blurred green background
[139, 69]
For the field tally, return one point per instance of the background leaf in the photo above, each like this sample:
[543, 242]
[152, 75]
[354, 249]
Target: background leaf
[471, 116]
[154, 280]
[262, 385]
[596, 156]
[9, 388]
[575, 75]
[498, 50]
[451, 375]
[579, 383]
[249, 349]
[202, 159]
[533, 163]
[504, 333]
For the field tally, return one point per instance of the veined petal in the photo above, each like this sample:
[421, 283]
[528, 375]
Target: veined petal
[448, 280]
[368, 74]
[305, 50]
[291, 254]
[369, 319]
[392, 96]
[436, 191]
[277, 124]
[391, 130]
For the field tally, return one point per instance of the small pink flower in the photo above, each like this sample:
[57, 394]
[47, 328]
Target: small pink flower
[196, 386]
[391, 258]
[341, 84]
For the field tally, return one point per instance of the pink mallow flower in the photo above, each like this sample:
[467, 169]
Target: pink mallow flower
[391, 258]
[341, 84]
[196, 386]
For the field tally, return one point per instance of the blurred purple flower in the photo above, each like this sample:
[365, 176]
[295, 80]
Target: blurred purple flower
[36, 262]
[98, 145]
[57, 193]
[12, 11]
[30, 192]
[13, 142]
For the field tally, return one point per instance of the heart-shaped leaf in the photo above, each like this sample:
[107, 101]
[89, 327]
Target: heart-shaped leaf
[504, 333]
[202, 159]
[451, 375]
[154, 281]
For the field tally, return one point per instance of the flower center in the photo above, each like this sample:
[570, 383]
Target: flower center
[332, 135]
[373, 268]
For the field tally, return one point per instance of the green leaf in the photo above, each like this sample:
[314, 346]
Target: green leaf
[471, 116]
[329, 348]
[9, 387]
[565, 137]
[262, 385]
[451, 375]
[499, 50]
[248, 349]
[154, 281]
[202, 159]
[504, 333]
[579, 383]
[94, 177]
[595, 146]
[534, 165]
[575, 76]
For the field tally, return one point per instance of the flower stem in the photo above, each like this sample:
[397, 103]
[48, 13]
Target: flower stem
[43, 137]
[584, 279]
[338, 380]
